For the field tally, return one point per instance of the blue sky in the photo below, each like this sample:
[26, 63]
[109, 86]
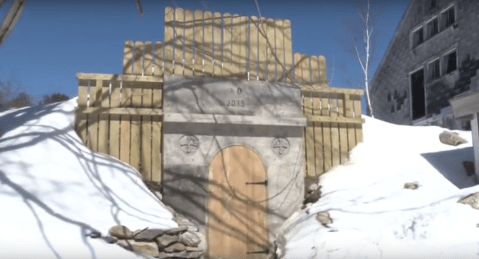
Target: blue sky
[55, 39]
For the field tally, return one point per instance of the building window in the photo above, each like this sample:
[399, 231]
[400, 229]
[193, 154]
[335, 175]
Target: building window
[450, 62]
[434, 70]
[448, 17]
[417, 37]
[432, 27]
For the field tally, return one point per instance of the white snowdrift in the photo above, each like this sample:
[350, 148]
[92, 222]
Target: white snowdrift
[374, 216]
[54, 191]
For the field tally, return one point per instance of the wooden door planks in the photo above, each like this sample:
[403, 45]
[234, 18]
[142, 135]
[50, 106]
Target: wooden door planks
[217, 46]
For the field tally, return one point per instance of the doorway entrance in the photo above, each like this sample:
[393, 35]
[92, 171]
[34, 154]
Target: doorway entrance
[417, 95]
[237, 206]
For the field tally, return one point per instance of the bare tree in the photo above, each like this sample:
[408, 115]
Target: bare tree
[359, 40]
[11, 18]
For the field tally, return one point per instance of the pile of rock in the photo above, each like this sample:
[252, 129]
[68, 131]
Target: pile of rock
[159, 243]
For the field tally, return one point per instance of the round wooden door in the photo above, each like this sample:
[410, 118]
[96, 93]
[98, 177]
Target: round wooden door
[237, 206]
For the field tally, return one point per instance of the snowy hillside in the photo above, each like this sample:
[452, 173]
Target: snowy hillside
[54, 191]
[374, 216]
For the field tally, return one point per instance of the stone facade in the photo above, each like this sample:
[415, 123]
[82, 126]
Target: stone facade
[205, 115]
[391, 88]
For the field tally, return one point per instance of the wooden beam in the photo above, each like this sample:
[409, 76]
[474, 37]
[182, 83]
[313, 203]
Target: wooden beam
[307, 89]
[316, 118]
[465, 105]
[115, 77]
[475, 142]
[119, 111]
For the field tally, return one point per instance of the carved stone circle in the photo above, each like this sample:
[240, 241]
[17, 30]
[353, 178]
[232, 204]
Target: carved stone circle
[189, 144]
[280, 146]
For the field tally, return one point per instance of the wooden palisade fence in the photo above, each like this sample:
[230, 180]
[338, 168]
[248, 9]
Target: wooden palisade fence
[123, 114]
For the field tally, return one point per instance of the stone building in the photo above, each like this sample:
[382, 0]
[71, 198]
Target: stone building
[433, 56]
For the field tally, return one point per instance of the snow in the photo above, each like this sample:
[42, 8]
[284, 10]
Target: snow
[374, 216]
[54, 191]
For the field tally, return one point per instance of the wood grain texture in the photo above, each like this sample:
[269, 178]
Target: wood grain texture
[279, 47]
[146, 156]
[115, 122]
[148, 59]
[169, 39]
[318, 137]
[128, 57]
[236, 47]
[208, 43]
[217, 45]
[288, 51]
[179, 41]
[135, 141]
[358, 127]
[189, 40]
[308, 110]
[271, 49]
[238, 220]
[104, 119]
[227, 44]
[253, 53]
[335, 131]
[343, 132]
[350, 128]
[125, 124]
[262, 50]
[158, 68]
[198, 30]
[243, 42]
[81, 120]
[327, 148]
[138, 57]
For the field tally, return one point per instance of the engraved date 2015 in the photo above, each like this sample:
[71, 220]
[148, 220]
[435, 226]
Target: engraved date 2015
[235, 103]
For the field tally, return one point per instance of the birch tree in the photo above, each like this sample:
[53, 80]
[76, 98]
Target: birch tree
[359, 40]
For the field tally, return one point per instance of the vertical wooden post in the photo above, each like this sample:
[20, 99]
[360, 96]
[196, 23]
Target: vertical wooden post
[208, 43]
[115, 122]
[271, 49]
[104, 121]
[217, 46]
[475, 142]
[243, 42]
[189, 39]
[169, 37]
[235, 48]
[288, 51]
[128, 57]
[279, 49]
[198, 43]
[81, 125]
[179, 40]
[227, 38]
[253, 53]
[262, 49]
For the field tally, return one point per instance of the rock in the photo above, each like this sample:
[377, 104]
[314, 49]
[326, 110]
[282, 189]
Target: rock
[136, 232]
[176, 247]
[190, 239]
[170, 209]
[472, 200]
[176, 231]
[313, 187]
[323, 218]
[158, 195]
[144, 248]
[469, 166]
[94, 234]
[149, 235]
[121, 232]
[110, 239]
[412, 186]
[166, 240]
[312, 197]
[164, 255]
[451, 138]
[191, 225]
[193, 249]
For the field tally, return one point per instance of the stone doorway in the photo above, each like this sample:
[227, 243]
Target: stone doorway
[237, 205]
